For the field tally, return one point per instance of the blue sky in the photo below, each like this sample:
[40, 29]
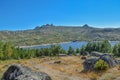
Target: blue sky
[27, 14]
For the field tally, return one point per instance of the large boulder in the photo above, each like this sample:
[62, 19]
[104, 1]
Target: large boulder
[96, 54]
[19, 72]
[85, 53]
[119, 62]
[90, 63]
[109, 59]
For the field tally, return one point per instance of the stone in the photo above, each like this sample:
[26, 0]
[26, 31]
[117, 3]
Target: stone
[90, 63]
[83, 57]
[85, 53]
[96, 54]
[119, 62]
[57, 62]
[20, 72]
[109, 59]
[62, 55]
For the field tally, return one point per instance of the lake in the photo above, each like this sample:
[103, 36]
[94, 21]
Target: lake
[65, 46]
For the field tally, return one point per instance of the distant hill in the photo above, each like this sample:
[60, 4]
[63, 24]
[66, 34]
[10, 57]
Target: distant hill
[50, 33]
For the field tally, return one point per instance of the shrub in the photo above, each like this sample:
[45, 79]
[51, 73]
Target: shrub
[101, 65]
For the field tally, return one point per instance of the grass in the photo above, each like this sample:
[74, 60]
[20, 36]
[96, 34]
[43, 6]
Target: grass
[70, 68]
[6, 63]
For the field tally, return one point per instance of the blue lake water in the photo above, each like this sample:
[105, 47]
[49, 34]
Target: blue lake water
[74, 45]
[66, 46]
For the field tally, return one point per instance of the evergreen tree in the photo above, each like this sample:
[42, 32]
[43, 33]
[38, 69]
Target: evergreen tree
[71, 51]
[7, 51]
[82, 49]
[116, 50]
[77, 50]
[106, 47]
[1, 50]
[88, 47]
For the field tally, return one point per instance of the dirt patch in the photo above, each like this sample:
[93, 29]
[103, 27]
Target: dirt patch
[66, 68]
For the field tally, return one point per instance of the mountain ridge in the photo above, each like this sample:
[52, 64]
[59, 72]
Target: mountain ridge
[50, 33]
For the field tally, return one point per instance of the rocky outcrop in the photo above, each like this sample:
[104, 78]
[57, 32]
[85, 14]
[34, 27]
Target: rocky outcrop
[119, 62]
[19, 72]
[85, 53]
[109, 59]
[96, 54]
[90, 63]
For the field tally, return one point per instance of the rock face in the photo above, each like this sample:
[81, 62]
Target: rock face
[85, 53]
[96, 54]
[90, 63]
[19, 72]
[109, 59]
[119, 62]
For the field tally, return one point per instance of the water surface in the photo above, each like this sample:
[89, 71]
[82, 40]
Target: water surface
[74, 45]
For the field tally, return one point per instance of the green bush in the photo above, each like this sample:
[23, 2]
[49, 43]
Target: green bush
[101, 65]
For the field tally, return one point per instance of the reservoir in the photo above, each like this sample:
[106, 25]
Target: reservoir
[66, 45]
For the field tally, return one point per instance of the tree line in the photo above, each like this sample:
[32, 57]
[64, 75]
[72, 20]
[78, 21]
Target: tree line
[102, 46]
[9, 51]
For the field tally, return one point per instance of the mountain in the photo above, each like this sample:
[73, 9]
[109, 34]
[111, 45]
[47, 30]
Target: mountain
[50, 33]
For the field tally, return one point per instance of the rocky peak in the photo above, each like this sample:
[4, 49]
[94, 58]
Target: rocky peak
[44, 26]
[86, 26]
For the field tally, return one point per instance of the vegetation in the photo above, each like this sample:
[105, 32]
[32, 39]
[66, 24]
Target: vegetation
[102, 46]
[71, 51]
[116, 50]
[77, 50]
[50, 33]
[101, 65]
[7, 51]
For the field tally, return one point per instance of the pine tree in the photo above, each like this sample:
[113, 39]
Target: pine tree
[71, 51]
[106, 47]
[77, 50]
[82, 50]
[7, 51]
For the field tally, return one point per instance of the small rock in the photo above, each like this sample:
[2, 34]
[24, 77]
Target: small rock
[57, 62]
[83, 57]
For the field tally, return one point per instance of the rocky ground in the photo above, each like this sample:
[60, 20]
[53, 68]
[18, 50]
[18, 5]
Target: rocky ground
[63, 68]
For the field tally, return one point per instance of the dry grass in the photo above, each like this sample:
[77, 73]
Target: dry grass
[70, 68]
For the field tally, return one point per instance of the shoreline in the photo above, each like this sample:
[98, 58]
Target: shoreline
[49, 44]
[42, 45]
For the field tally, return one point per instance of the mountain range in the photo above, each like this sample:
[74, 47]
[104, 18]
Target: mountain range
[50, 33]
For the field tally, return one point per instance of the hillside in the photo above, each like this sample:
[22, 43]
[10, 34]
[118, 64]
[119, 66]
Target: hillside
[53, 34]
[62, 71]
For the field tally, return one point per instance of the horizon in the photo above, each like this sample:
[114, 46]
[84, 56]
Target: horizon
[27, 14]
[74, 26]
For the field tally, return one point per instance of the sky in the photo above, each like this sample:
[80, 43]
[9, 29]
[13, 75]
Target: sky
[27, 14]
